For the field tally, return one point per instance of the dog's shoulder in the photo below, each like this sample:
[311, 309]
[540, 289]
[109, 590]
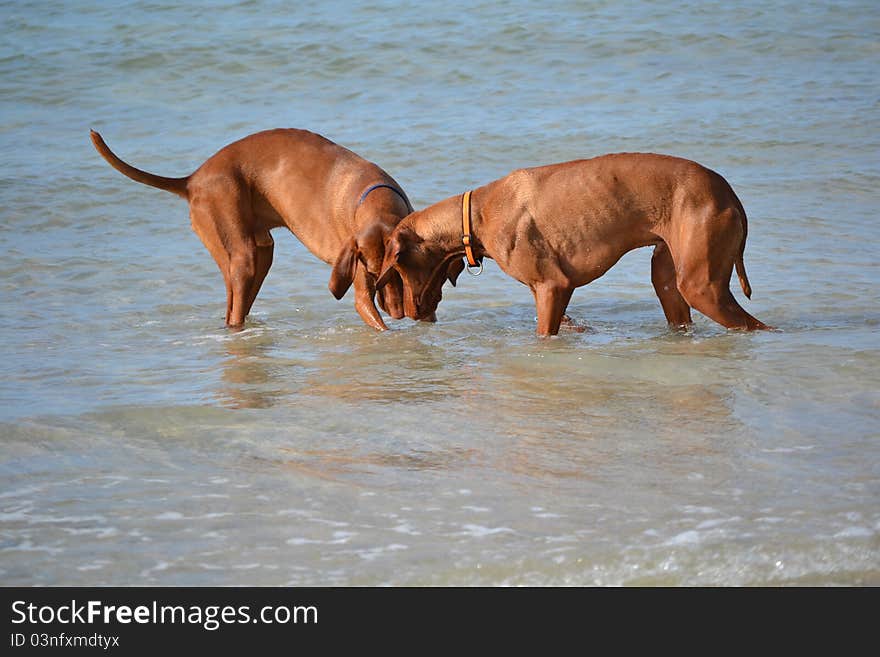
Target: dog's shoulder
[520, 182]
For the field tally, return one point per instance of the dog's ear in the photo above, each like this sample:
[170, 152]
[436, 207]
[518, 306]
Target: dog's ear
[454, 269]
[343, 271]
[387, 272]
[393, 248]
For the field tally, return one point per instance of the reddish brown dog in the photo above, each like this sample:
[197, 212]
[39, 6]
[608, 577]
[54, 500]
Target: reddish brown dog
[340, 206]
[557, 227]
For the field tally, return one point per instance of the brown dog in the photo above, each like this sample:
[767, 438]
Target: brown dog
[341, 207]
[557, 227]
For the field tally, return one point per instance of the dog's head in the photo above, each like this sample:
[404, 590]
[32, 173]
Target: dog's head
[367, 248]
[423, 268]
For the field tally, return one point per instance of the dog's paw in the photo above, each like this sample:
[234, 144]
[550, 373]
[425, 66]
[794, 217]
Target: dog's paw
[569, 324]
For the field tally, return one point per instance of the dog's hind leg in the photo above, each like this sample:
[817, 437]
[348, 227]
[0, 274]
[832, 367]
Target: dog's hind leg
[265, 248]
[242, 276]
[715, 300]
[705, 263]
[676, 309]
[204, 227]
[223, 226]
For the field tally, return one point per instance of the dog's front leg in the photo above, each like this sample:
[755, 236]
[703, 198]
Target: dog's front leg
[364, 300]
[551, 300]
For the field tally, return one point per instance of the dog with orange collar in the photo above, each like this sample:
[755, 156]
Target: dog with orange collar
[558, 227]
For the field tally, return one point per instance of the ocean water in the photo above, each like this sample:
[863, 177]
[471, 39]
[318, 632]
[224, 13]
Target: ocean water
[141, 442]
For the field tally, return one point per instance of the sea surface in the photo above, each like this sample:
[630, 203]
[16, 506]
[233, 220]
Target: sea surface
[144, 443]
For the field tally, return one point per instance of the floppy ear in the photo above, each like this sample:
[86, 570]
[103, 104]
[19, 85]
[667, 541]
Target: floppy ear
[455, 268]
[343, 271]
[392, 255]
[387, 272]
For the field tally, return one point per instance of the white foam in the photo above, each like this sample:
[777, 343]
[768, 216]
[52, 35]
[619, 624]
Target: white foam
[169, 515]
[689, 537]
[479, 531]
[854, 532]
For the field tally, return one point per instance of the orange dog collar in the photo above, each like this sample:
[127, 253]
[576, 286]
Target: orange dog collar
[466, 231]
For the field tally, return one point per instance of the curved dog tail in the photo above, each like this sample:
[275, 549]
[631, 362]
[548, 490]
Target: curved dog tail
[175, 185]
[740, 265]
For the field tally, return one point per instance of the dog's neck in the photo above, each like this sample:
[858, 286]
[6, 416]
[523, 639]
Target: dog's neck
[441, 225]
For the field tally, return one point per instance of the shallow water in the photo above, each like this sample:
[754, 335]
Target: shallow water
[141, 442]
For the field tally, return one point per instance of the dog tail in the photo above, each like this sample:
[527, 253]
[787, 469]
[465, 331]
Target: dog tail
[740, 265]
[175, 185]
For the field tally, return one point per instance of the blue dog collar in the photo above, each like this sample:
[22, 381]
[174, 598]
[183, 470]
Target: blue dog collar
[392, 188]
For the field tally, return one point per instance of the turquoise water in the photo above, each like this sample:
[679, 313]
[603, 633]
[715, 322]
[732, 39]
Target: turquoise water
[141, 442]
